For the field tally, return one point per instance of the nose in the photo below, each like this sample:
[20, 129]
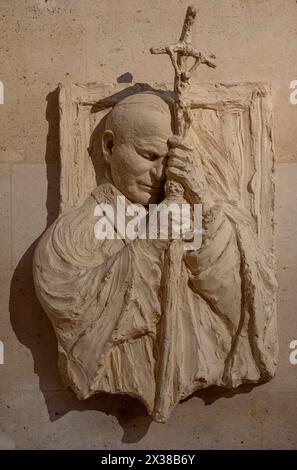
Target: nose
[157, 172]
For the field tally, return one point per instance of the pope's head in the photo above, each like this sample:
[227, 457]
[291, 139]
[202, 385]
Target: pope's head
[134, 146]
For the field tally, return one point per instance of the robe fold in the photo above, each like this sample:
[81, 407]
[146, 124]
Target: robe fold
[103, 298]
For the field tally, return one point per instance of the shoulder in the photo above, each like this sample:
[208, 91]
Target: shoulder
[83, 215]
[72, 234]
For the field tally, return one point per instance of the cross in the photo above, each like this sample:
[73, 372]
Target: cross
[166, 368]
[183, 50]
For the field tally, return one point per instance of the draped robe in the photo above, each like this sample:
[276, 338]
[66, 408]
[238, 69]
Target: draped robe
[103, 298]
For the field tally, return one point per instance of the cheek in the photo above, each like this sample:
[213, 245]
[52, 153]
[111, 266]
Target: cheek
[127, 164]
[119, 164]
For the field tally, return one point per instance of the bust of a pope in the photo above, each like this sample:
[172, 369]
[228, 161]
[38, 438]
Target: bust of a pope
[104, 297]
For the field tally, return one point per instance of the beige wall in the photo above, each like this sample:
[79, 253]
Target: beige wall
[44, 43]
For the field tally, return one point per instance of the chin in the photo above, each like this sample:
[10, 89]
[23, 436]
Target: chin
[145, 197]
[148, 198]
[144, 200]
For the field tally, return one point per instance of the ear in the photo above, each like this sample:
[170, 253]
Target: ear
[108, 141]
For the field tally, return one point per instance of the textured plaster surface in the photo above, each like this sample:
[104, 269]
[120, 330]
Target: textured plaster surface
[37, 411]
[224, 311]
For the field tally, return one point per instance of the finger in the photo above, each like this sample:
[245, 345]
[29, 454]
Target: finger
[177, 141]
[184, 157]
[175, 162]
[180, 151]
[175, 174]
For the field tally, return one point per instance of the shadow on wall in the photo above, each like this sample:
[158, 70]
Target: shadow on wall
[34, 330]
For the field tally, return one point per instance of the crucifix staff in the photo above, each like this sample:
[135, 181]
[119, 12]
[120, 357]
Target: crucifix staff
[167, 374]
[179, 54]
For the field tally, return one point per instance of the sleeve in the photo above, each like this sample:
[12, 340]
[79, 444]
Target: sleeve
[214, 269]
[97, 293]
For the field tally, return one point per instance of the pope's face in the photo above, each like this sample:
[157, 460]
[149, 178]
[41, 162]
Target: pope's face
[138, 155]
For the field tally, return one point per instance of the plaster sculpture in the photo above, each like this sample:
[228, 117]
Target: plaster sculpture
[145, 317]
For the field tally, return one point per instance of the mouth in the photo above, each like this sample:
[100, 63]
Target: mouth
[151, 189]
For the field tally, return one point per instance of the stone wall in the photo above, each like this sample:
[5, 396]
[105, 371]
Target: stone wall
[47, 42]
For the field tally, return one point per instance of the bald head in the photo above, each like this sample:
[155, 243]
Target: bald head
[136, 113]
[135, 146]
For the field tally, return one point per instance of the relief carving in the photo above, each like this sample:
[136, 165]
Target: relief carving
[147, 317]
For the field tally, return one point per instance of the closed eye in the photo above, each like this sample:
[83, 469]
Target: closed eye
[149, 155]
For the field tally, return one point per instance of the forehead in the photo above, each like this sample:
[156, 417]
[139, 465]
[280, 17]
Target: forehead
[151, 124]
[143, 123]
